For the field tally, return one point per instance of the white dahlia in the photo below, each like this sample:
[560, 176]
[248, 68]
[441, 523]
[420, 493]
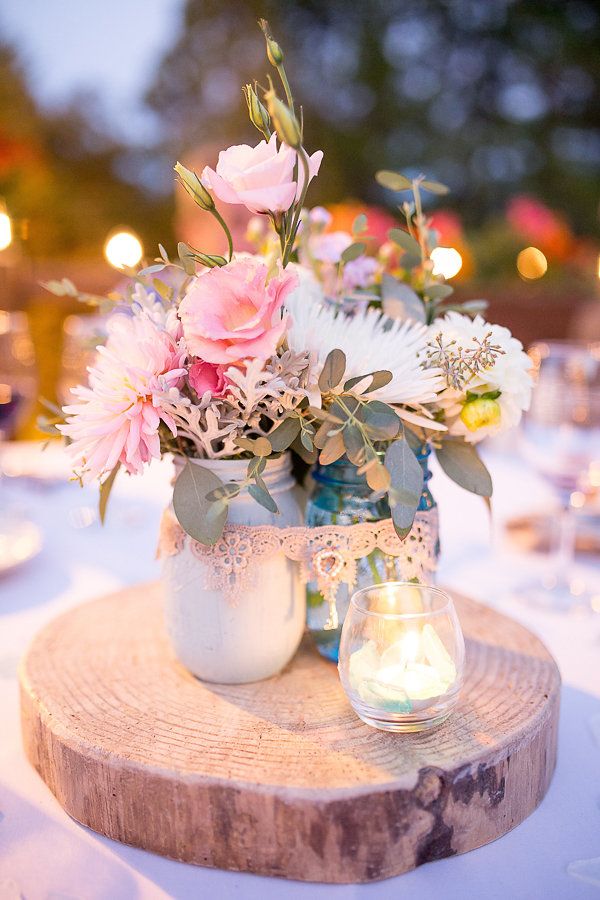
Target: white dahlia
[493, 399]
[370, 341]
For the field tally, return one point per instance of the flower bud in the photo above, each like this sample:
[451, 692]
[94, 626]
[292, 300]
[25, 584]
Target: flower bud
[274, 51]
[480, 413]
[194, 187]
[256, 111]
[286, 124]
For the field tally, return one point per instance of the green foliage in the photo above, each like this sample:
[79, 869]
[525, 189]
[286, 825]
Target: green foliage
[105, 489]
[406, 477]
[462, 464]
[201, 518]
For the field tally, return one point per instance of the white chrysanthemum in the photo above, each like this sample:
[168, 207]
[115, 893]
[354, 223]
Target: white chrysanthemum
[370, 341]
[510, 374]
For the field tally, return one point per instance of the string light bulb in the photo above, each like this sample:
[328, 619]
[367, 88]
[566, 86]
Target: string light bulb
[5, 229]
[531, 264]
[447, 261]
[123, 249]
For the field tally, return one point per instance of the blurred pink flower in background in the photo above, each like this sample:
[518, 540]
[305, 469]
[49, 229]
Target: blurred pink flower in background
[542, 226]
[330, 246]
[261, 177]
[116, 418]
[232, 313]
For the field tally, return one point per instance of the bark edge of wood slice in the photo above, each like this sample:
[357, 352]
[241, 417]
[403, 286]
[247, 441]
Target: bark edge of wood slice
[280, 777]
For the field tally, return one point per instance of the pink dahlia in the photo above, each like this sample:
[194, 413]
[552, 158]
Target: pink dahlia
[116, 418]
[233, 313]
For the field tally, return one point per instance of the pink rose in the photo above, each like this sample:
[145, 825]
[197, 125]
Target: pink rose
[204, 376]
[231, 313]
[260, 178]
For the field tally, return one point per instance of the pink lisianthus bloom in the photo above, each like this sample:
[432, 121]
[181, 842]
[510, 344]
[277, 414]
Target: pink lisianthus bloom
[260, 178]
[232, 313]
[206, 377]
[116, 418]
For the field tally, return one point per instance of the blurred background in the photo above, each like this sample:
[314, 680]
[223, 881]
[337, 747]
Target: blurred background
[497, 99]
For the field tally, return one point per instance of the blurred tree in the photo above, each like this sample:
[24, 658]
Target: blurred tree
[490, 96]
[58, 172]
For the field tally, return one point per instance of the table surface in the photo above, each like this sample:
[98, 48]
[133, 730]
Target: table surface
[44, 855]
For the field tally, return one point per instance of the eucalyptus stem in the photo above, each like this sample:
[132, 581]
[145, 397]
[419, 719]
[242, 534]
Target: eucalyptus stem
[289, 243]
[223, 225]
[419, 219]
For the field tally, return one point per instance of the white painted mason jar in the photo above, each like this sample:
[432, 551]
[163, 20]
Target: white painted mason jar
[257, 636]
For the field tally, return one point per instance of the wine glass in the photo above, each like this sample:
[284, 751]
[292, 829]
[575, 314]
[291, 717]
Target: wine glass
[81, 336]
[18, 378]
[561, 438]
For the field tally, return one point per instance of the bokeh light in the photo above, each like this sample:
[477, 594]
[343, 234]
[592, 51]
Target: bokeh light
[531, 263]
[446, 261]
[5, 230]
[123, 249]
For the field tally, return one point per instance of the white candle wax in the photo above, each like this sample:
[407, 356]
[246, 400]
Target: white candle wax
[417, 667]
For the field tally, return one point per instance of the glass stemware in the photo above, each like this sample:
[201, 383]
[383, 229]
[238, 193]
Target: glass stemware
[18, 378]
[561, 439]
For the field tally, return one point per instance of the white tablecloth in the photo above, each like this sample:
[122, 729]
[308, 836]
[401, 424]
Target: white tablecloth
[44, 855]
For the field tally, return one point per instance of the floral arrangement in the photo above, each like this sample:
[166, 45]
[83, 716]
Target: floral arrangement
[314, 344]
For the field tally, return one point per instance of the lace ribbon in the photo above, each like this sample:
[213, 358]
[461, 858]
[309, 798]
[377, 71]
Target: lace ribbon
[327, 554]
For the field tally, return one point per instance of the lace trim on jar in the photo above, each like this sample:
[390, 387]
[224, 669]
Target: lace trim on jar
[327, 554]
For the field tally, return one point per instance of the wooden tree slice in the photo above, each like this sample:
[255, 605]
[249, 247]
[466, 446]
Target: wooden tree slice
[280, 777]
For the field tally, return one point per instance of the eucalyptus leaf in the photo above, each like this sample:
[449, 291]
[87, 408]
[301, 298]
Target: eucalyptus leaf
[410, 261]
[201, 519]
[164, 255]
[323, 434]
[378, 478]
[393, 181]
[405, 240]
[333, 370]
[163, 290]
[307, 454]
[353, 251]
[354, 444]
[151, 270]
[187, 258]
[435, 187]
[462, 464]
[262, 447]
[406, 477]
[262, 496]
[333, 450]
[360, 224]
[256, 466]
[285, 434]
[307, 441]
[379, 379]
[399, 301]
[381, 421]
[105, 489]
[469, 307]
[438, 291]
[224, 492]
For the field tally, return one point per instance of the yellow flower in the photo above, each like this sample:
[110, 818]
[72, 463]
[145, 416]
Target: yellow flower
[479, 413]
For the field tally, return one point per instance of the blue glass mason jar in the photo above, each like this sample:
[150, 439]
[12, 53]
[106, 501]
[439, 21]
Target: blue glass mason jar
[340, 496]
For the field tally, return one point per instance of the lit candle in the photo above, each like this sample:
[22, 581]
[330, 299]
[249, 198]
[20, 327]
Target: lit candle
[411, 673]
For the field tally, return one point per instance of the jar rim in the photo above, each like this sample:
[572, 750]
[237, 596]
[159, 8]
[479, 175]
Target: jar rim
[446, 607]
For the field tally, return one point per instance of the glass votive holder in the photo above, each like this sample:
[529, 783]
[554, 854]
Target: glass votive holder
[402, 656]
